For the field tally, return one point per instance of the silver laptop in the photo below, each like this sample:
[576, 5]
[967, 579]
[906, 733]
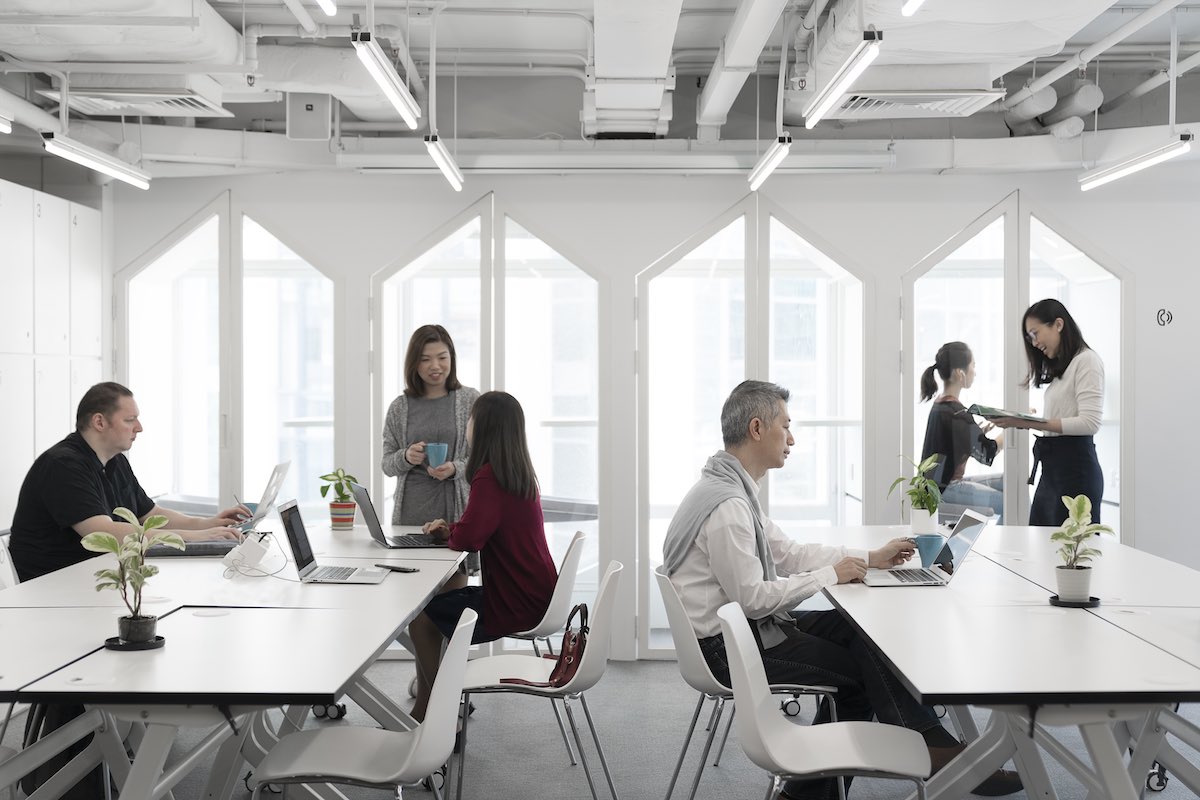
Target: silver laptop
[966, 532]
[268, 497]
[402, 541]
[306, 563]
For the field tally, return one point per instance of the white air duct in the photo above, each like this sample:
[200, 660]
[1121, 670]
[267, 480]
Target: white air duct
[1034, 106]
[1084, 98]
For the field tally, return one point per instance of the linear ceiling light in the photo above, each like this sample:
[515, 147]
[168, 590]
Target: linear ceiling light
[1099, 177]
[381, 69]
[441, 156]
[95, 159]
[5, 124]
[908, 9]
[770, 160]
[864, 53]
[330, 7]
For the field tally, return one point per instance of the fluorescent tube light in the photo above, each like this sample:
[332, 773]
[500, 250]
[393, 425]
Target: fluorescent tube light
[857, 63]
[441, 156]
[908, 9]
[1099, 177]
[381, 69]
[770, 160]
[330, 7]
[5, 124]
[95, 159]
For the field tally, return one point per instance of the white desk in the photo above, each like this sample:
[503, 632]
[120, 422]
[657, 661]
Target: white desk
[48, 640]
[357, 543]
[1001, 650]
[1121, 576]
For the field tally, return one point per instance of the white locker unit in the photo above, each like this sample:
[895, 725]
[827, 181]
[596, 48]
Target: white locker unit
[16, 404]
[16, 233]
[53, 417]
[51, 275]
[86, 281]
[85, 373]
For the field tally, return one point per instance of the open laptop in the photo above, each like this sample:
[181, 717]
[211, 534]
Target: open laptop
[306, 563]
[268, 497]
[966, 532]
[401, 541]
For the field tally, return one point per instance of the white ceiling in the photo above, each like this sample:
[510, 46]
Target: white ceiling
[523, 80]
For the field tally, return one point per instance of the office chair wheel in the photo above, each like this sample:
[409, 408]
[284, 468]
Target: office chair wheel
[319, 711]
[436, 781]
[790, 707]
[412, 687]
[336, 711]
[270, 787]
[1156, 780]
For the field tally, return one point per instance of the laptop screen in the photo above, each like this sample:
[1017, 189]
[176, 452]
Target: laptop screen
[297, 536]
[966, 533]
[368, 511]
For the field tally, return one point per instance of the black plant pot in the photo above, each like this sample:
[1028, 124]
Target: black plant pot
[136, 629]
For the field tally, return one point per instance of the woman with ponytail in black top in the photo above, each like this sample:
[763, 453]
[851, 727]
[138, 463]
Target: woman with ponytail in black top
[955, 437]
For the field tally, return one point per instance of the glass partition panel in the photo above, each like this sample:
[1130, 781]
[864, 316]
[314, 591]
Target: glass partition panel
[816, 353]
[287, 364]
[697, 354]
[442, 287]
[551, 357]
[1092, 294]
[962, 299]
[174, 370]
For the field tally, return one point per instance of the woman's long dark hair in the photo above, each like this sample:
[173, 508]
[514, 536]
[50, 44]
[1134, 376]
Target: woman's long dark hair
[498, 438]
[427, 334]
[1042, 370]
[950, 356]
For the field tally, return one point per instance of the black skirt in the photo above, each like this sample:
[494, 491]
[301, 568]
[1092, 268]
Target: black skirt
[1069, 467]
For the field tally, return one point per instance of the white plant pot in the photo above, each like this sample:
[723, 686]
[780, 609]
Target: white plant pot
[1074, 585]
[922, 521]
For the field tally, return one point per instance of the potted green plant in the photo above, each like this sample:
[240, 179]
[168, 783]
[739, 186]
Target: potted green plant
[132, 571]
[341, 507]
[923, 495]
[1074, 576]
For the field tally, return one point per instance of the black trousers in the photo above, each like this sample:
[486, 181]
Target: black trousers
[823, 648]
[1069, 468]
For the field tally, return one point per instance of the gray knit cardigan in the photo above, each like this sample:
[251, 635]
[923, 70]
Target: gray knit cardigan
[395, 442]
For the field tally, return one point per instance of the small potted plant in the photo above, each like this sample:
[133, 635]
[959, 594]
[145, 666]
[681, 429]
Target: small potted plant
[341, 508]
[923, 495]
[1074, 576]
[132, 571]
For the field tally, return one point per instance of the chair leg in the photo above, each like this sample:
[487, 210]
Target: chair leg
[725, 738]
[712, 717]
[773, 788]
[920, 788]
[579, 746]
[563, 731]
[587, 712]
[462, 751]
[712, 732]
[687, 739]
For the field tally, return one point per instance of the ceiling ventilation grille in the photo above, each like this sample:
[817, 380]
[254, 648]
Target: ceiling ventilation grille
[98, 95]
[905, 104]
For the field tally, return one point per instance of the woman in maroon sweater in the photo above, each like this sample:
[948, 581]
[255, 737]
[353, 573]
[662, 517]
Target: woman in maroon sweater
[503, 523]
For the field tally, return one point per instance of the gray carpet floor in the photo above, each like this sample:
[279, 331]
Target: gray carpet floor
[641, 710]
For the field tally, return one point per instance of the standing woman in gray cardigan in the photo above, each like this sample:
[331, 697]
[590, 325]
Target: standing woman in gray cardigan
[434, 407]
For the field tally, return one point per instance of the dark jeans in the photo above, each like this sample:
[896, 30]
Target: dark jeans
[1069, 467]
[823, 648]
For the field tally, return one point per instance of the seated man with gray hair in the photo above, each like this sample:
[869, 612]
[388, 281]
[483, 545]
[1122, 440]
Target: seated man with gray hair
[720, 547]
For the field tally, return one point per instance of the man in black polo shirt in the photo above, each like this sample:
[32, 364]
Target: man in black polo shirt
[72, 489]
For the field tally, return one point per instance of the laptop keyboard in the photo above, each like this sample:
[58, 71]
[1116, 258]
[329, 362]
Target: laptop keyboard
[915, 575]
[333, 573]
[415, 540]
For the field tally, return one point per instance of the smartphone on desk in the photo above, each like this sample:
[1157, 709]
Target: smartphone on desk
[397, 568]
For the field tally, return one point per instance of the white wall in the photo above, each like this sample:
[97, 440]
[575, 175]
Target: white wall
[351, 226]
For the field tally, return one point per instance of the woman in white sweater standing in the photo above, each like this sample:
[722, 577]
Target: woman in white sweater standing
[1073, 374]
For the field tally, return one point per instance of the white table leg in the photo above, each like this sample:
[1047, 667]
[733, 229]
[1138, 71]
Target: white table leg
[1108, 760]
[980, 759]
[1028, 760]
[379, 706]
[148, 763]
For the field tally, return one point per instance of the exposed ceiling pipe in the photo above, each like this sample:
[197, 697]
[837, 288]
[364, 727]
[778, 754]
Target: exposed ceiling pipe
[1150, 84]
[749, 31]
[27, 114]
[1085, 55]
[301, 14]
[1086, 98]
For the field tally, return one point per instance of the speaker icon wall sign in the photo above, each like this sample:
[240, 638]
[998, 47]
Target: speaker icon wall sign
[1164, 317]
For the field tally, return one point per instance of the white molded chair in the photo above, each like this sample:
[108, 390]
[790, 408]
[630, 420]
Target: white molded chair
[556, 617]
[696, 674]
[484, 676]
[8, 572]
[815, 751]
[374, 757]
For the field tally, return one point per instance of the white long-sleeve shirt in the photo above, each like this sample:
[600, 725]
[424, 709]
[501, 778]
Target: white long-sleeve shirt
[1077, 398]
[722, 566]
